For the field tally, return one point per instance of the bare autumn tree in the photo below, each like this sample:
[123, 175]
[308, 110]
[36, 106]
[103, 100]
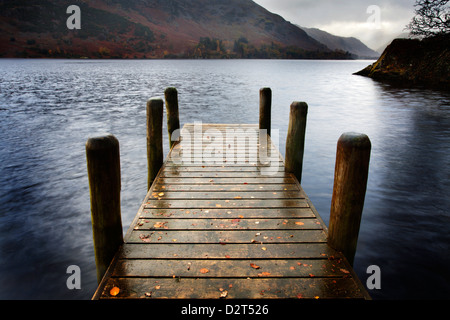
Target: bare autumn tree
[432, 18]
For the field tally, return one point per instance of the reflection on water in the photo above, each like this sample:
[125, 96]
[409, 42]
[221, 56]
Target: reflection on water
[48, 109]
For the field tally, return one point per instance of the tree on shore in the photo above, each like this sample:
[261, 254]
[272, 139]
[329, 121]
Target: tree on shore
[432, 18]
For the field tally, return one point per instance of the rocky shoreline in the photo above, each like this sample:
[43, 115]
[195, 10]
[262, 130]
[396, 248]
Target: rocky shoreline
[413, 62]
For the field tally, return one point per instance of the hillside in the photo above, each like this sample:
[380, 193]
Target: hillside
[413, 62]
[350, 44]
[152, 29]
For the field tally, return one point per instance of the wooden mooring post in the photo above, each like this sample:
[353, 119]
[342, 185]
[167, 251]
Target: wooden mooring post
[350, 182]
[265, 109]
[103, 165]
[295, 140]
[173, 121]
[154, 138]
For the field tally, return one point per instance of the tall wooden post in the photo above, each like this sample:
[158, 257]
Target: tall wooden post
[154, 138]
[103, 165]
[173, 121]
[265, 107]
[295, 140]
[350, 182]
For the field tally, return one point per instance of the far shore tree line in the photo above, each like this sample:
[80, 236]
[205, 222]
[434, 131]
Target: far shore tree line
[241, 48]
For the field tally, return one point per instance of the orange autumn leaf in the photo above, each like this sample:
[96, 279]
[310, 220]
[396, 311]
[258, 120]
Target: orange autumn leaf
[299, 223]
[114, 291]
[254, 266]
[263, 274]
[204, 270]
[160, 225]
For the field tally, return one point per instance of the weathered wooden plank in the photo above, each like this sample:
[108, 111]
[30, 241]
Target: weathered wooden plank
[261, 213]
[158, 187]
[305, 268]
[234, 251]
[230, 195]
[248, 180]
[227, 237]
[253, 288]
[266, 165]
[236, 223]
[263, 165]
[200, 168]
[220, 174]
[234, 203]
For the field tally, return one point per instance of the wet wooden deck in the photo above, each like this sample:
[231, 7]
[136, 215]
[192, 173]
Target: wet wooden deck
[216, 226]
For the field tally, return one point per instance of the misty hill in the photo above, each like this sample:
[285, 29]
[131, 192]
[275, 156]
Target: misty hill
[350, 44]
[153, 29]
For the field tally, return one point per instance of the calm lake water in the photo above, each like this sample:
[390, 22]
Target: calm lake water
[49, 108]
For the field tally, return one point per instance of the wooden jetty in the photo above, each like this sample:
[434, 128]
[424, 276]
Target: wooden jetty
[223, 221]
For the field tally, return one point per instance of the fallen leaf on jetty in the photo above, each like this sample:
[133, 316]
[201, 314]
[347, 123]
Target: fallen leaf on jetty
[254, 266]
[161, 194]
[204, 270]
[145, 237]
[114, 291]
[344, 270]
[224, 294]
[148, 294]
[299, 223]
[263, 274]
[160, 225]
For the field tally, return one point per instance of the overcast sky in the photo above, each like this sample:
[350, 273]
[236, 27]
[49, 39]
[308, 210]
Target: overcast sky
[348, 18]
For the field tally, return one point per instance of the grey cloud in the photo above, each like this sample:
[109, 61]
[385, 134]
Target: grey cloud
[341, 16]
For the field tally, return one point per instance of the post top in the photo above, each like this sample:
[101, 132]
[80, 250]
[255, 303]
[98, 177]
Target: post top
[155, 102]
[355, 140]
[102, 142]
[300, 106]
[170, 90]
